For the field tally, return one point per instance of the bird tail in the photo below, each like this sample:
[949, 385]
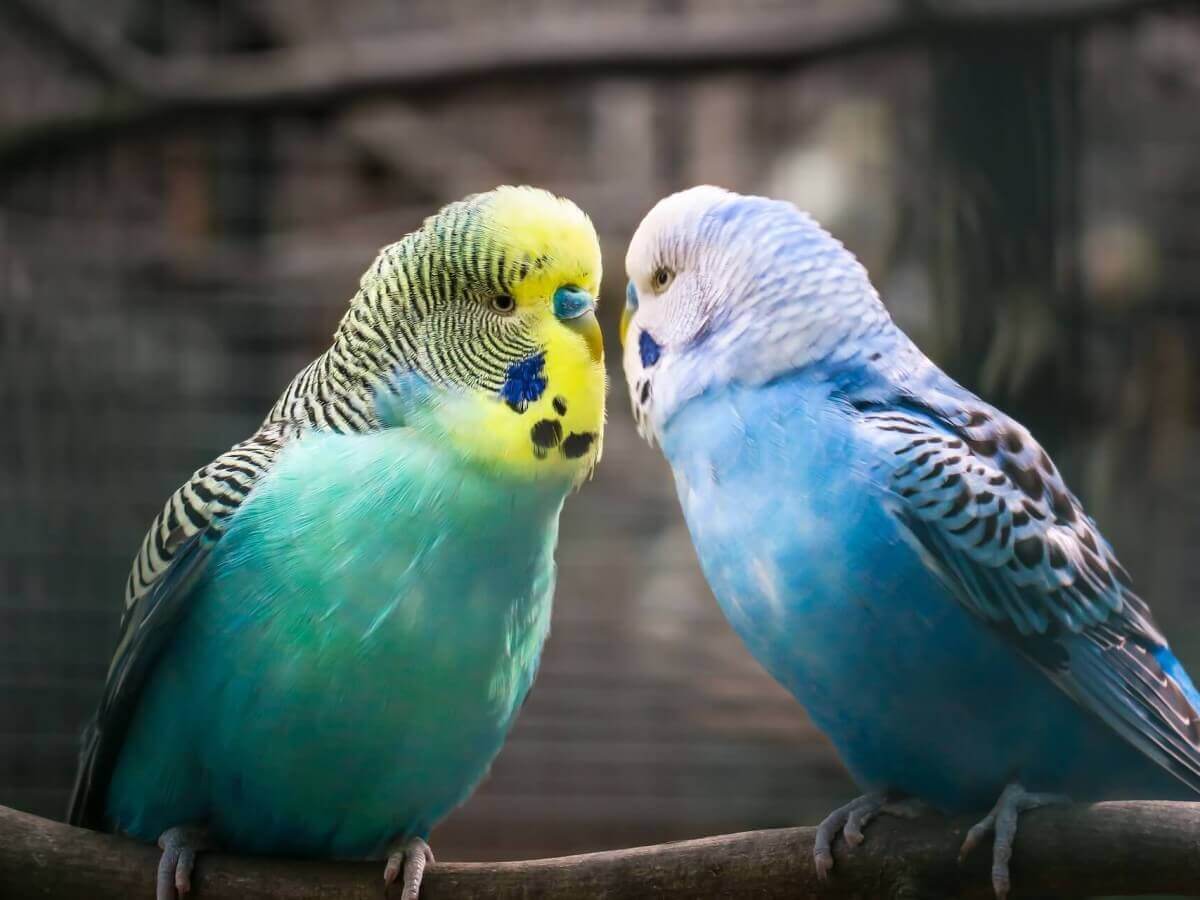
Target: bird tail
[1174, 670]
[79, 810]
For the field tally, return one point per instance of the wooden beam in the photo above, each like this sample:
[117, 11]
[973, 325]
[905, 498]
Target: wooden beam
[320, 75]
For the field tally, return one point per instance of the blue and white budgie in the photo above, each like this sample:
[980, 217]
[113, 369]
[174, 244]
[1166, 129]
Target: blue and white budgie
[902, 556]
[330, 628]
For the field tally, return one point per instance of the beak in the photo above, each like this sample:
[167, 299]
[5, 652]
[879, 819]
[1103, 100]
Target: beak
[576, 309]
[588, 328]
[631, 305]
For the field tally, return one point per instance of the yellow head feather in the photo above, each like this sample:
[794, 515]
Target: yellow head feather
[546, 243]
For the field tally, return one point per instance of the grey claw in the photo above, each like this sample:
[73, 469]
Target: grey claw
[179, 846]
[183, 870]
[976, 834]
[408, 858]
[165, 889]
[1001, 822]
[850, 820]
[859, 818]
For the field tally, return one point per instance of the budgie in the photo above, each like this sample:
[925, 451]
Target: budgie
[903, 557]
[330, 628]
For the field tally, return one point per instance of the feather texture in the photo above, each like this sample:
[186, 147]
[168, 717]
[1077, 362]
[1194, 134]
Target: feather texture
[905, 558]
[329, 628]
[1015, 546]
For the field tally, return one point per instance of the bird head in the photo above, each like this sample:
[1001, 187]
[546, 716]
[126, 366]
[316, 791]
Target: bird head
[727, 288]
[490, 308]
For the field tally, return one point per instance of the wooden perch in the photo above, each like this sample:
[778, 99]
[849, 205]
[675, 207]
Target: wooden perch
[1108, 848]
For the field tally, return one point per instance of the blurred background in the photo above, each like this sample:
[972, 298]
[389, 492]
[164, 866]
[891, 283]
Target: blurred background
[189, 190]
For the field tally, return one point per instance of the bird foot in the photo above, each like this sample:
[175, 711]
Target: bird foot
[852, 818]
[1002, 823]
[407, 857]
[179, 847]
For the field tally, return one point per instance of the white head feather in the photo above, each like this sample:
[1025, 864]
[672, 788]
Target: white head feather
[734, 288]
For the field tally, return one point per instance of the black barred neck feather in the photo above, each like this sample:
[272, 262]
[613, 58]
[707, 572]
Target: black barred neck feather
[204, 503]
[421, 308]
[332, 393]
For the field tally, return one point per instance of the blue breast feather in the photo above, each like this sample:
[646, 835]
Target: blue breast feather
[798, 536]
[353, 656]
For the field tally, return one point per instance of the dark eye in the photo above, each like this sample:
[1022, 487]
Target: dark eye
[661, 278]
[503, 304]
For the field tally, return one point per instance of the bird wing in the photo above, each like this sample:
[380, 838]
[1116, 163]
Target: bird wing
[993, 516]
[170, 562]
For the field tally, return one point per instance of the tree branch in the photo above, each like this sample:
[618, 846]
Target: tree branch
[318, 75]
[112, 62]
[1107, 848]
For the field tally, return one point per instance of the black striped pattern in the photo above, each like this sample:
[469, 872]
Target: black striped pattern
[421, 307]
[205, 500]
[991, 510]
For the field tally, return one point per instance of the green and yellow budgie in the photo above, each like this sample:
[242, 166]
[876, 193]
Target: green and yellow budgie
[330, 628]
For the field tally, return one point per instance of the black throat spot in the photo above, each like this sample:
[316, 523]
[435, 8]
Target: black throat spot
[546, 433]
[578, 443]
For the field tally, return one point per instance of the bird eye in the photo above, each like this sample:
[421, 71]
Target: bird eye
[661, 279]
[503, 304]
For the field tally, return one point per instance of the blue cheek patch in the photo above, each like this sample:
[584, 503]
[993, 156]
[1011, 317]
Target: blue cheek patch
[631, 299]
[524, 382]
[648, 349]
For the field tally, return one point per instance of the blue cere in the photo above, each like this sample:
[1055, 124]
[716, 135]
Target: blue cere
[571, 302]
